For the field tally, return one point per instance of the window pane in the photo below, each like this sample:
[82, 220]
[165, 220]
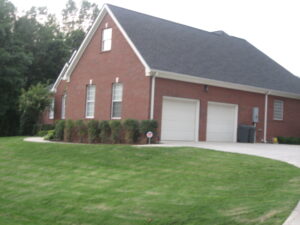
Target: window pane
[278, 110]
[107, 33]
[51, 109]
[90, 100]
[63, 106]
[106, 45]
[117, 92]
[117, 109]
[90, 109]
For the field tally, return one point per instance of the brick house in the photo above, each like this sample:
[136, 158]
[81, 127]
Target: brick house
[198, 85]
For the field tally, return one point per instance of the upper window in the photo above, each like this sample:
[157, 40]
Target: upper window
[106, 39]
[117, 95]
[278, 110]
[51, 109]
[90, 101]
[63, 106]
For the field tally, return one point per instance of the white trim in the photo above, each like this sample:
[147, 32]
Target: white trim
[266, 117]
[235, 86]
[60, 77]
[152, 100]
[197, 101]
[236, 108]
[63, 106]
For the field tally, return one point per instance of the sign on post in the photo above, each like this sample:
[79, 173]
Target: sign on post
[149, 135]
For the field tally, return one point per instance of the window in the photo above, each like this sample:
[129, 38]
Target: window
[117, 95]
[278, 110]
[106, 39]
[51, 109]
[90, 101]
[63, 106]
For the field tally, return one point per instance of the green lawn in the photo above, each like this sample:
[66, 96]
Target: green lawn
[117, 185]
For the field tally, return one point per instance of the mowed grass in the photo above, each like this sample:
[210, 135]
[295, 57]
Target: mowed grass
[117, 185]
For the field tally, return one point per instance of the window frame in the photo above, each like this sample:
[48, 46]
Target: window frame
[105, 40]
[281, 102]
[63, 106]
[114, 101]
[87, 101]
[51, 109]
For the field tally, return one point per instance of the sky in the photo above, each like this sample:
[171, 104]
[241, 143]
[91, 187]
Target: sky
[273, 26]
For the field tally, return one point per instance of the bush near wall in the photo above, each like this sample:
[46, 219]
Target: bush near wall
[128, 131]
[289, 140]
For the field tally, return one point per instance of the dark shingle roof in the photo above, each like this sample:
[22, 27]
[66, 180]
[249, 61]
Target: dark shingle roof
[178, 48]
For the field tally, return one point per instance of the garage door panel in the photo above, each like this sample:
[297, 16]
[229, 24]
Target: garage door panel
[179, 118]
[221, 122]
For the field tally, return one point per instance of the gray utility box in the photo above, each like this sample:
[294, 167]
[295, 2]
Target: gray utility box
[246, 134]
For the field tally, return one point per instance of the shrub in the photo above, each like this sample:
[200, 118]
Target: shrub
[81, 130]
[105, 131]
[131, 128]
[289, 140]
[68, 131]
[93, 131]
[50, 135]
[116, 129]
[42, 133]
[59, 130]
[42, 128]
[148, 125]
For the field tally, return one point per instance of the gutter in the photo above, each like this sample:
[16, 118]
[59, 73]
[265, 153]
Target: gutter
[153, 76]
[266, 116]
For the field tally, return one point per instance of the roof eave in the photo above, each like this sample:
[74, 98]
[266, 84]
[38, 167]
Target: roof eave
[223, 84]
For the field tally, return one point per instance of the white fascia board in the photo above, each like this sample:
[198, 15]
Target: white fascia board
[136, 51]
[223, 84]
[60, 77]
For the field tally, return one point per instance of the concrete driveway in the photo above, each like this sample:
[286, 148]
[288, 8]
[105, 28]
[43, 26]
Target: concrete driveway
[285, 153]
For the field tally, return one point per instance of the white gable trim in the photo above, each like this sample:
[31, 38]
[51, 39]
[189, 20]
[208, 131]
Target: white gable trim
[223, 84]
[75, 58]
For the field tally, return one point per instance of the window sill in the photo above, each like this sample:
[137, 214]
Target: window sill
[89, 117]
[104, 51]
[116, 118]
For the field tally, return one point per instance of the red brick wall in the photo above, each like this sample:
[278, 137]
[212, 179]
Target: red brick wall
[103, 68]
[245, 101]
[290, 125]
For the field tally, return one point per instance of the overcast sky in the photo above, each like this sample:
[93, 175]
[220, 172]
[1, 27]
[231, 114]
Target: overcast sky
[273, 26]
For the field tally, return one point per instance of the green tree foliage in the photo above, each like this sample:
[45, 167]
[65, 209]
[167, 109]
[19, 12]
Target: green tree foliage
[32, 103]
[33, 49]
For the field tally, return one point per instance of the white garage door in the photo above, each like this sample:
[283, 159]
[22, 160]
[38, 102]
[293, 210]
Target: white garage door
[180, 119]
[221, 122]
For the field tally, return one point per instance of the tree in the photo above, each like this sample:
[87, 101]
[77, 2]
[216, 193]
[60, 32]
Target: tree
[32, 103]
[14, 61]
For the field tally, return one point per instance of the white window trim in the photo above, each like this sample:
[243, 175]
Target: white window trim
[51, 109]
[63, 106]
[282, 103]
[102, 40]
[90, 101]
[112, 102]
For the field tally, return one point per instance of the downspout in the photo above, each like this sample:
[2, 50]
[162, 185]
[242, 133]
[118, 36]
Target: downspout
[152, 96]
[266, 116]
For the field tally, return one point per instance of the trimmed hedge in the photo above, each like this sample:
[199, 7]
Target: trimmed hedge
[93, 131]
[131, 128]
[289, 140]
[59, 130]
[116, 131]
[105, 131]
